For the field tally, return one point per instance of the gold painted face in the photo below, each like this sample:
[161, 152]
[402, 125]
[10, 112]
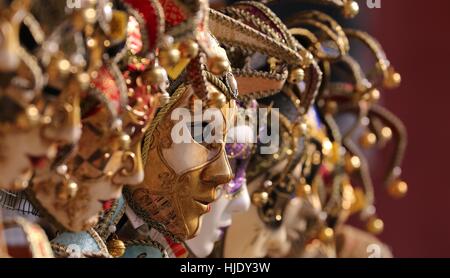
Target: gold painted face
[35, 118]
[137, 117]
[181, 178]
[77, 195]
[22, 146]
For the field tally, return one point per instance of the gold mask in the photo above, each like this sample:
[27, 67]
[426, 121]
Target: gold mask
[177, 190]
[77, 195]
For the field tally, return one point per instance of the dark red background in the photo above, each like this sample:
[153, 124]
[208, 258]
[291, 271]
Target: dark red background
[416, 37]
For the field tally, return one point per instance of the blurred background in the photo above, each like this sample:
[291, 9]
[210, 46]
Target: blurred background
[416, 38]
[415, 35]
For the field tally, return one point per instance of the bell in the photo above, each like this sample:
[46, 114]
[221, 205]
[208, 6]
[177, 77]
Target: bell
[303, 190]
[386, 132]
[352, 163]
[116, 248]
[368, 140]
[170, 57]
[331, 107]
[351, 8]
[375, 225]
[218, 65]
[326, 234]
[296, 75]
[216, 99]
[260, 198]
[155, 76]
[392, 79]
[398, 189]
[374, 95]
[125, 141]
[189, 49]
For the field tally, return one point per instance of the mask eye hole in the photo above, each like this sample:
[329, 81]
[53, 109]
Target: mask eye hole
[201, 132]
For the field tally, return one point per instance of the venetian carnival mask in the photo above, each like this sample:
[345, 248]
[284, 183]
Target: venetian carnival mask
[178, 190]
[36, 117]
[262, 229]
[116, 113]
[92, 179]
[232, 198]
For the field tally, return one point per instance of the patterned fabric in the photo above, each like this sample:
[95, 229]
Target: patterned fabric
[17, 201]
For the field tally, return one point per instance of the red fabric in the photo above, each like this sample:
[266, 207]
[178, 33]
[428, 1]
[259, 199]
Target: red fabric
[149, 14]
[106, 84]
[174, 15]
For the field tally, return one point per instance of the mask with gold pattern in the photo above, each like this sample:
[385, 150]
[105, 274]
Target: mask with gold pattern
[39, 113]
[177, 190]
[74, 197]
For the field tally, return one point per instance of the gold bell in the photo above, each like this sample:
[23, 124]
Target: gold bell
[116, 248]
[189, 49]
[296, 75]
[351, 8]
[352, 163]
[375, 225]
[170, 57]
[326, 234]
[386, 132]
[392, 79]
[374, 95]
[218, 65]
[331, 107]
[216, 99]
[155, 76]
[303, 189]
[398, 189]
[260, 198]
[125, 141]
[368, 140]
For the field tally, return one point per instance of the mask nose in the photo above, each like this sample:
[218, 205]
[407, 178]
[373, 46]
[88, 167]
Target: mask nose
[218, 172]
[240, 203]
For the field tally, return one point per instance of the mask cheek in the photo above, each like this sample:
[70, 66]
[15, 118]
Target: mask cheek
[193, 156]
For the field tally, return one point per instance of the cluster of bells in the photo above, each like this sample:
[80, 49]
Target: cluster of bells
[165, 61]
